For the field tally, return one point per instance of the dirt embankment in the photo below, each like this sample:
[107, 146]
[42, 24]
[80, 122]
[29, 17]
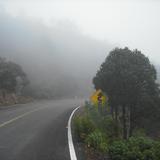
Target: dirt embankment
[11, 98]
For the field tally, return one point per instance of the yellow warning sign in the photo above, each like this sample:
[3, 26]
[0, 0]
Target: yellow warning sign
[98, 97]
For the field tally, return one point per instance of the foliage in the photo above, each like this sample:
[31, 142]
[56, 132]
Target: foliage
[129, 80]
[143, 143]
[111, 128]
[156, 150]
[83, 126]
[9, 72]
[118, 150]
[98, 132]
[104, 122]
[146, 115]
[139, 133]
[97, 140]
[93, 114]
[94, 129]
[135, 148]
[127, 75]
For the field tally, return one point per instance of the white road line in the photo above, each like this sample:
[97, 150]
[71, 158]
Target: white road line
[70, 140]
[18, 117]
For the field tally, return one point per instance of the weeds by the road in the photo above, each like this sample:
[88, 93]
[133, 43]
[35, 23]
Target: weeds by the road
[99, 134]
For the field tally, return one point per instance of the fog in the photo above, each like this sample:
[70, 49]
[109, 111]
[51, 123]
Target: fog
[131, 23]
[60, 44]
[59, 60]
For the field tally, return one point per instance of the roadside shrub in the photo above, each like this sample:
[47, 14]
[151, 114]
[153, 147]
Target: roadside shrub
[149, 155]
[83, 126]
[139, 133]
[141, 143]
[118, 150]
[140, 148]
[97, 140]
[134, 154]
[94, 115]
[101, 133]
[104, 123]
[135, 148]
[156, 150]
[111, 128]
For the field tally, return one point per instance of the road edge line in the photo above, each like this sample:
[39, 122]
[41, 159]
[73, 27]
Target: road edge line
[70, 139]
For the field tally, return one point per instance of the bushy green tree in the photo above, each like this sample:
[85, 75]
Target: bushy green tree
[128, 78]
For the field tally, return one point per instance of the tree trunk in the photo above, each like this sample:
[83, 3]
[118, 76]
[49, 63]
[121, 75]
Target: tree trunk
[116, 121]
[112, 111]
[132, 108]
[131, 122]
[124, 122]
[116, 114]
[128, 121]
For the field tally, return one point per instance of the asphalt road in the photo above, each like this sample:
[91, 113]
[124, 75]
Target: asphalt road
[36, 131]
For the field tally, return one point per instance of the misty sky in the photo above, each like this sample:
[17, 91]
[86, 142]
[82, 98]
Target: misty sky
[133, 23]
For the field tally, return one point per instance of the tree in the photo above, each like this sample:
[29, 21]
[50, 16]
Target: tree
[127, 77]
[9, 72]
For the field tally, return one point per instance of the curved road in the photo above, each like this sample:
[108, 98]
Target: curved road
[36, 131]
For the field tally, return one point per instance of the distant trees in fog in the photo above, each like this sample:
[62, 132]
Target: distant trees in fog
[12, 78]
